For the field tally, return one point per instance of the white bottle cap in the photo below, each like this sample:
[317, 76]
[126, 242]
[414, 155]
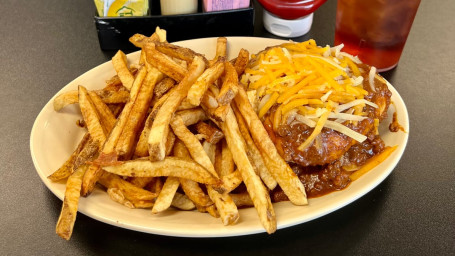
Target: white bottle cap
[287, 28]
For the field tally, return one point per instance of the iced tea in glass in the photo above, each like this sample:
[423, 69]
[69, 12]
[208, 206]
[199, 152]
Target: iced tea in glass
[375, 30]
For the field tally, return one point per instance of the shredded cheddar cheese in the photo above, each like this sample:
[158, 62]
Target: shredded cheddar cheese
[318, 86]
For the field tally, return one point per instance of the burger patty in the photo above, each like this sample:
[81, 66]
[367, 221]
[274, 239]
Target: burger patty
[329, 145]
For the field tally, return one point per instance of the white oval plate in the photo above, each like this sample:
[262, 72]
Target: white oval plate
[55, 135]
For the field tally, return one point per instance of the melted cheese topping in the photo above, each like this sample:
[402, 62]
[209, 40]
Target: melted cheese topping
[311, 85]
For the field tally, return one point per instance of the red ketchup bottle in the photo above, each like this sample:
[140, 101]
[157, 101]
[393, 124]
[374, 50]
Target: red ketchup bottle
[289, 18]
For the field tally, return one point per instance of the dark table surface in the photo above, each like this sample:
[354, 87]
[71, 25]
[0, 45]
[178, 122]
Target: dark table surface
[46, 44]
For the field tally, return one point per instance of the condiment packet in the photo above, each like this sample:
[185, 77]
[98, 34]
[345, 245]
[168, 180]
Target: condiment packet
[122, 8]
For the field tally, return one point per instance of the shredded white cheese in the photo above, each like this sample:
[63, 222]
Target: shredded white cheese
[353, 103]
[345, 130]
[371, 78]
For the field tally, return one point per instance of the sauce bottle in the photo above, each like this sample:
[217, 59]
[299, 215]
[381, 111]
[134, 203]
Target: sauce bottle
[289, 18]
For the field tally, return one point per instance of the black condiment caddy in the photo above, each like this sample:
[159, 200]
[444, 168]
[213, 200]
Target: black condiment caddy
[114, 32]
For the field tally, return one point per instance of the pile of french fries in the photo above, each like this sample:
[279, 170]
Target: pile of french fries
[174, 130]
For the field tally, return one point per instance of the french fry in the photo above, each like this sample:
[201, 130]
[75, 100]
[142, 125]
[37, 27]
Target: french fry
[210, 149]
[160, 127]
[195, 193]
[226, 161]
[115, 82]
[117, 195]
[131, 192]
[142, 144]
[91, 118]
[241, 61]
[68, 213]
[182, 202]
[108, 96]
[88, 153]
[142, 59]
[211, 210]
[229, 213]
[116, 109]
[164, 200]
[108, 153]
[190, 187]
[185, 105]
[67, 168]
[254, 185]
[229, 87]
[279, 169]
[211, 106]
[142, 182]
[192, 116]
[120, 64]
[179, 52]
[108, 150]
[242, 200]
[212, 134]
[227, 209]
[171, 166]
[231, 181]
[254, 153]
[170, 142]
[163, 87]
[193, 145]
[164, 63]
[138, 40]
[105, 114]
[221, 49]
[155, 185]
[201, 85]
[142, 151]
[129, 135]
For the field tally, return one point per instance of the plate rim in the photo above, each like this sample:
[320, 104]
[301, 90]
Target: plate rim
[235, 231]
